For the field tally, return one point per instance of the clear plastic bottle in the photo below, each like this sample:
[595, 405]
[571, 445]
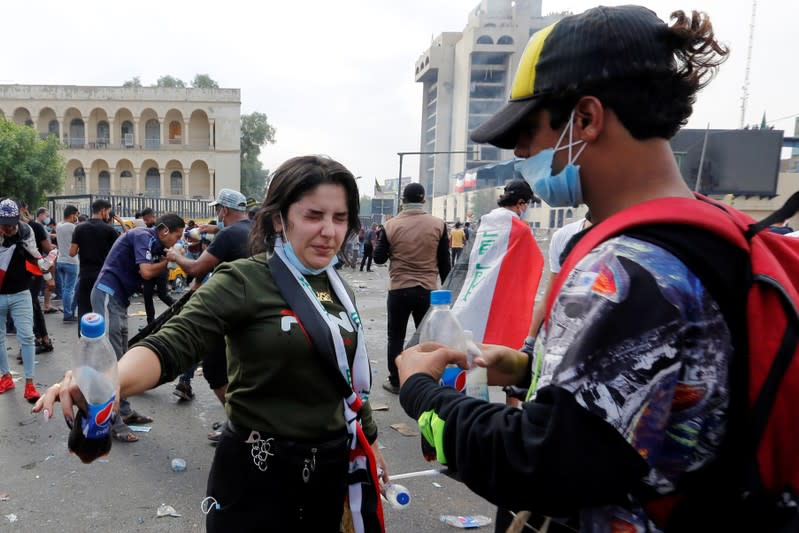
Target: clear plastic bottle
[476, 376]
[94, 369]
[396, 495]
[440, 325]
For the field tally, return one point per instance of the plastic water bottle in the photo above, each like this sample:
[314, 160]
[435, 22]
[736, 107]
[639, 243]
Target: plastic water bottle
[396, 495]
[476, 376]
[178, 249]
[440, 325]
[94, 369]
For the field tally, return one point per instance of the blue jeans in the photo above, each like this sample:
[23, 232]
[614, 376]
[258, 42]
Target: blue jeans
[20, 306]
[116, 327]
[67, 277]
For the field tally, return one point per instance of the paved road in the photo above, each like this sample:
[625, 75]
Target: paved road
[48, 489]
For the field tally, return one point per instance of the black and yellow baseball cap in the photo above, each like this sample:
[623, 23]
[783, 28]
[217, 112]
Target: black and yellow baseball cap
[601, 44]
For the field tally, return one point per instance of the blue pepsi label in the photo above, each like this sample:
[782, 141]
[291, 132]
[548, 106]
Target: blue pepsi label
[97, 424]
[454, 377]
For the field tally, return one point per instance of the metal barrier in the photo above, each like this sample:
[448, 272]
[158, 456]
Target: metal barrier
[127, 206]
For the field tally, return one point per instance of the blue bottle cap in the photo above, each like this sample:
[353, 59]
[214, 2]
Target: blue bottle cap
[92, 325]
[440, 297]
[403, 498]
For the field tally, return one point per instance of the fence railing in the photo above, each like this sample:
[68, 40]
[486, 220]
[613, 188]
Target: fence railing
[128, 205]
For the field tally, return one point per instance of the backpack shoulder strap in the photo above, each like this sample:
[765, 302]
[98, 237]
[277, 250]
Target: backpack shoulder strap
[699, 212]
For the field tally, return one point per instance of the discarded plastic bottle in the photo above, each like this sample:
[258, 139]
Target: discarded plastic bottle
[396, 495]
[94, 368]
[465, 522]
[178, 464]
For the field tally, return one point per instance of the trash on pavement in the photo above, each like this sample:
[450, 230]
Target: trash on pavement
[404, 429]
[178, 464]
[167, 510]
[11, 517]
[140, 429]
[4, 497]
[466, 522]
[380, 407]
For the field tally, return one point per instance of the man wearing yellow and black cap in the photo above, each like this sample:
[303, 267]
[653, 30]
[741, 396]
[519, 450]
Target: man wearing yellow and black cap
[629, 378]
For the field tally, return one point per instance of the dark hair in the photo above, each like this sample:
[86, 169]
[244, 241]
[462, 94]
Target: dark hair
[457, 224]
[293, 179]
[70, 210]
[41, 210]
[137, 214]
[170, 221]
[147, 211]
[655, 105]
[100, 204]
[82, 218]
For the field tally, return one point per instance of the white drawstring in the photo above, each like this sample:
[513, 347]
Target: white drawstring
[209, 503]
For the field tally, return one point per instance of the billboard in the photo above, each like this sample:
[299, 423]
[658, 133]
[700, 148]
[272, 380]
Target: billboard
[740, 162]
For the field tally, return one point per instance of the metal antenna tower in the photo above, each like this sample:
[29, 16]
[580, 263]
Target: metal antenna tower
[745, 95]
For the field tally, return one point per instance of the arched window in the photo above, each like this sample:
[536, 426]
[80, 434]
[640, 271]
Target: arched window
[53, 127]
[80, 180]
[127, 134]
[77, 133]
[569, 213]
[126, 185]
[505, 39]
[175, 132]
[104, 181]
[152, 182]
[152, 134]
[103, 132]
[485, 39]
[176, 183]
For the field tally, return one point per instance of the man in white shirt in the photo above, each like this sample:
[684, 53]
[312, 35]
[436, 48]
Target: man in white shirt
[67, 266]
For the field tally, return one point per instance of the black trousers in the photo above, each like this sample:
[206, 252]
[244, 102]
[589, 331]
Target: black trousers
[402, 304]
[278, 498]
[85, 285]
[156, 285]
[368, 251]
[39, 325]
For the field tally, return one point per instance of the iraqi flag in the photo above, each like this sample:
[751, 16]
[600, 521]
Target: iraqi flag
[497, 297]
[5, 259]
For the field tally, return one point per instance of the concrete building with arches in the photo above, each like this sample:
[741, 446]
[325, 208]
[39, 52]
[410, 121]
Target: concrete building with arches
[137, 141]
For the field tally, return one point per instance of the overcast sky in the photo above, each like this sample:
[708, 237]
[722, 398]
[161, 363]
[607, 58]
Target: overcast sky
[337, 77]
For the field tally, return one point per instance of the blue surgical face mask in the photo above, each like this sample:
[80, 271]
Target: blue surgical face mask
[220, 223]
[46, 221]
[292, 258]
[562, 189]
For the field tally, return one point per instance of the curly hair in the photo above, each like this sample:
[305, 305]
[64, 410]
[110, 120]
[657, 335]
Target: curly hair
[655, 105]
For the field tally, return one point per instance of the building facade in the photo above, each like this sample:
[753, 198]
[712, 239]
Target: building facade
[466, 77]
[138, 141]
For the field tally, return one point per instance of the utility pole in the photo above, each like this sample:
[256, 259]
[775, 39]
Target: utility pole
[745, 95]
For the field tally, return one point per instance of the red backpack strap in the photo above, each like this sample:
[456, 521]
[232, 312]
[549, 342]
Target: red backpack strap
[701, 212]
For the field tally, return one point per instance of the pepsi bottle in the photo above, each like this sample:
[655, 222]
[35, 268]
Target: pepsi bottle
[94, 369]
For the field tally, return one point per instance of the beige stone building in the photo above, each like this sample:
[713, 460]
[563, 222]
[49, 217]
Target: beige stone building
[139, 141]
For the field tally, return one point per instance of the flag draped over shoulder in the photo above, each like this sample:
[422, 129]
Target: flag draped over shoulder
[497, 297]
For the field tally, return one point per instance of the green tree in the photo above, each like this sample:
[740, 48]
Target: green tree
[135, 81]
[204, 81]
[255, 133]
[30, 167]
[170, 81]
